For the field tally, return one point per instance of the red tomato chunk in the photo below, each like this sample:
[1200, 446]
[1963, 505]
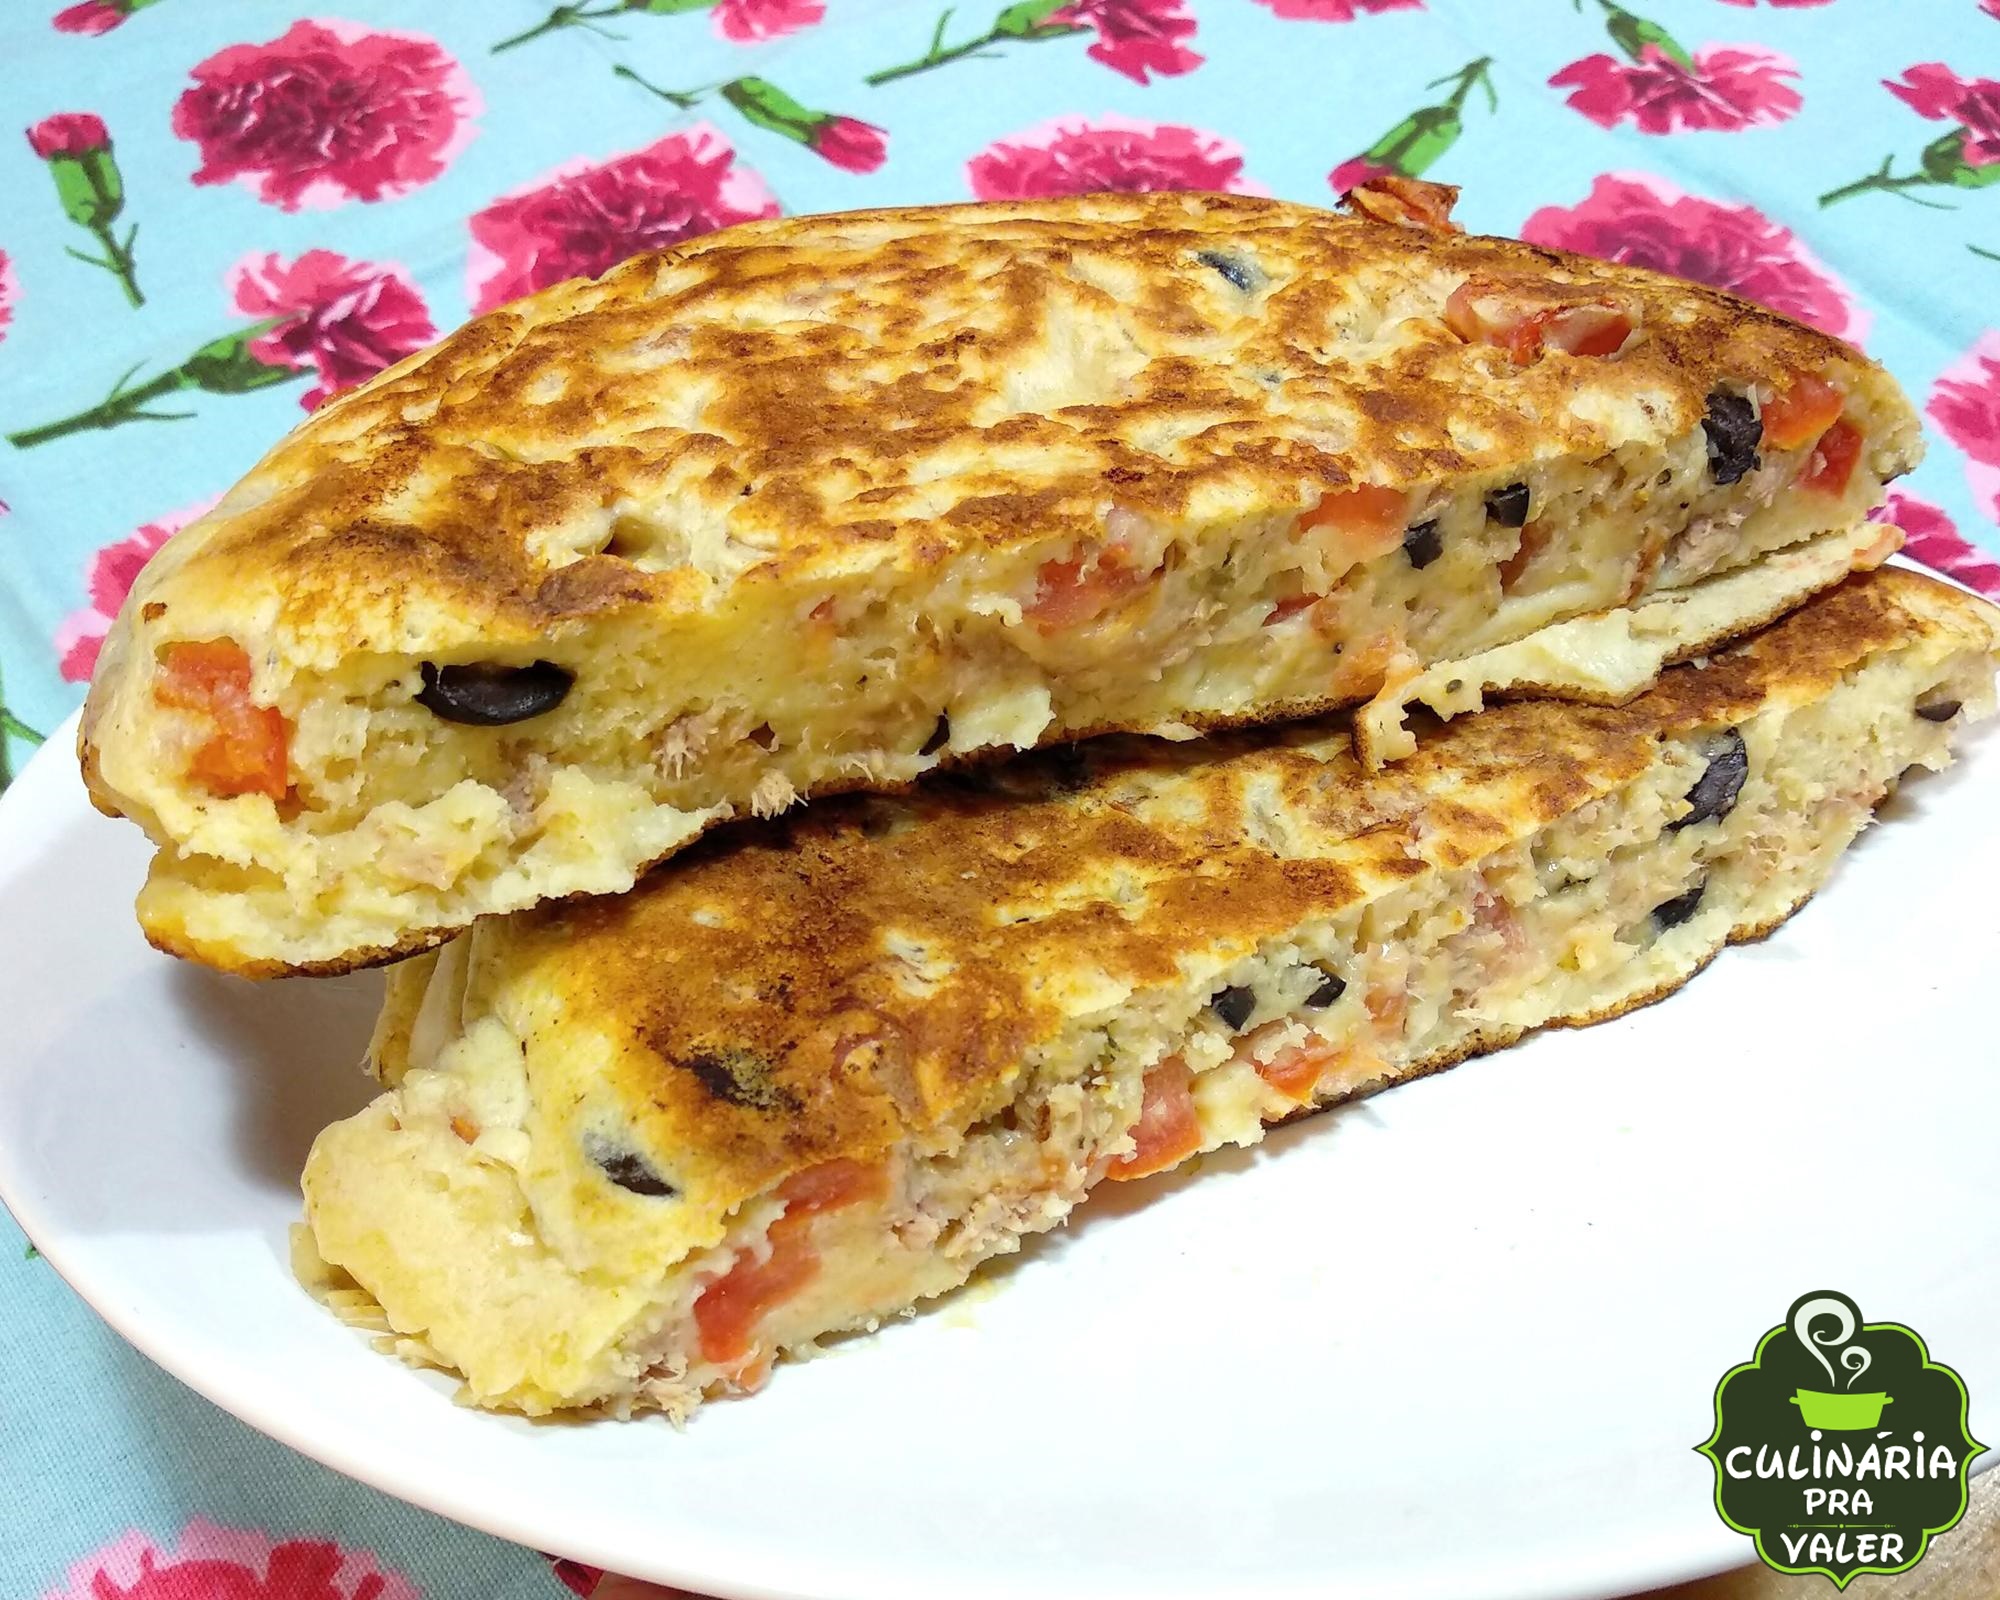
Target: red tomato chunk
[1168, 1130]
[1481, 311]
[727, 1312]
[245, 751]
[1832, 461]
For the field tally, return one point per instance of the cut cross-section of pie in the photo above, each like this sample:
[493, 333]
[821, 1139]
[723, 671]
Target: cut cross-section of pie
[815, 1072]
[819, 503]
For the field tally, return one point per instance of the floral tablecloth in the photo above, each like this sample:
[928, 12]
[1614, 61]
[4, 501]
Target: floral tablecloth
[220, 212]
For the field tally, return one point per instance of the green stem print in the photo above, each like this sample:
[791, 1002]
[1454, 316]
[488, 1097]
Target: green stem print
[1942, 165]
[91, 191]
[1633, 34]
[222, 366]
[12, 727]
[1413, 145]
[116, 260]
[588, 17]
[685, 99]
[844, 142]
[1027, 21]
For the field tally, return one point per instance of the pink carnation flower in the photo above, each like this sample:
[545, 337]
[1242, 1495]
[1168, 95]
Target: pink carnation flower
[1732, 87]
[1965, 403]
[346, 320]
[1933, 90]
[1354, 172]
[110, 577]
[1638, 218]
[748, 21]
[584, 218]
[9, 288]
[1931, 537]
[213, 1563]
[1076, 155]
[91, 16]
[1341, 10]
[850, 144]
[1136, 37]
[69, 133]
[328, 112]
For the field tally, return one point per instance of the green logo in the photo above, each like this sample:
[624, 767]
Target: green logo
[1840, 1446]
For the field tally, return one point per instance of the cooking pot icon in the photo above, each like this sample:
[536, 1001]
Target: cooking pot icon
[1821, 1408]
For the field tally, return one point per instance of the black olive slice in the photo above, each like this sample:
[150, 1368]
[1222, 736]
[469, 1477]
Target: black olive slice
[1715, 791]
[940, 737]
[1239, 272]
[1734, 432]
[631, 1171]
[1674, 912]
[1332, 987]
[482, 694]
[1940, 710]
[1509, 506]
[1423, 544]
[1233, 1005]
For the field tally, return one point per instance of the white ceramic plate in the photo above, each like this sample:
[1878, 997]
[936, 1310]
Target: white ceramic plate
[1457, 1342]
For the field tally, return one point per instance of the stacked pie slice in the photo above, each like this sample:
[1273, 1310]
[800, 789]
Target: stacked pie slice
[1259, 503]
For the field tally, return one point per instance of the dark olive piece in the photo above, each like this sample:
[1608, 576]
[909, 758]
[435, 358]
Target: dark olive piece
[1941, 710]
[1509, 506]
[1715, 791]
[1733, 436]
[940, 737]
[1423, 544]
[1237, 271]
[482, 694]
[631, 1171]
[1233, 1005]
[1677, 910]
[1331, 988]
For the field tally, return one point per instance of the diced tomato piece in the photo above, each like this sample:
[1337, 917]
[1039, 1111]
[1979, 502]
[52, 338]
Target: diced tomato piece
[1168, 1130]
[1832, 461]
[1587, 330]
[833, 1184]
[1297, 1068]
[245, 753]
[1068, 593]
[1804, 407]
[727, 1312]
[1370, 515]
[1290, 606]
[1405, 202]
[1480, 312]
[1522, 322]
[1534, 537]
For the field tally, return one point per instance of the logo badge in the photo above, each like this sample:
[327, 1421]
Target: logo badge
[1840, 1446]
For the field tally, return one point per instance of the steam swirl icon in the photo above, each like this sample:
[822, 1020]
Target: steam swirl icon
[1831, 1408]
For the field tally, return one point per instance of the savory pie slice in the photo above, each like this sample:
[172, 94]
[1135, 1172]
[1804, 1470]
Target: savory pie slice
[820, 503]
[635, 1149]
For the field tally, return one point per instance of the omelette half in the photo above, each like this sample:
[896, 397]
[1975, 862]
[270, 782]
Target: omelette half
[817, 504]
[633, 1150]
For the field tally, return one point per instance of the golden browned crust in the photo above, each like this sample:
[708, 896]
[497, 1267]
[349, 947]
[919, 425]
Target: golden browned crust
[828, 985]
[439, 506]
